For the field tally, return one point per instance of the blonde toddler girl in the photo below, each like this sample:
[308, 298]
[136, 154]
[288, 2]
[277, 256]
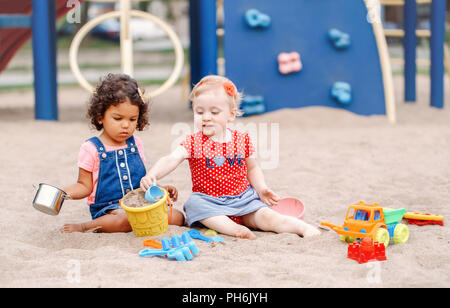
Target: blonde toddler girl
[229, 193]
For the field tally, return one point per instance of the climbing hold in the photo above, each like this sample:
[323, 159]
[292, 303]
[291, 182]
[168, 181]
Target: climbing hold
[289, 62]
[339, 39]
[342, 92]
[256, 19]
[253, 105]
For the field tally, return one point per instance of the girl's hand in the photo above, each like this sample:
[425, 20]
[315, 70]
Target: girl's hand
[173, 192]
[268, 196]
[147, 181]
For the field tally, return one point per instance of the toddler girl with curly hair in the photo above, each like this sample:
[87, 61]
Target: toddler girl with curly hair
[112, 164]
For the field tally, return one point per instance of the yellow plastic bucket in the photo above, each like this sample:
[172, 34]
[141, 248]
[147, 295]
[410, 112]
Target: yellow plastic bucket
[149, 220]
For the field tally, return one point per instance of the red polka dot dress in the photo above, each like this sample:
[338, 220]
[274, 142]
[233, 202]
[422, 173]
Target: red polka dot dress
[219, 176]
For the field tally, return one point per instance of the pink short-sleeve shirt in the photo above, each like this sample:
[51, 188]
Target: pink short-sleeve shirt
[88, 160]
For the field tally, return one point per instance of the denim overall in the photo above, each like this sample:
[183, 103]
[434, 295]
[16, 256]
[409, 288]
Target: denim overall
[120, 172]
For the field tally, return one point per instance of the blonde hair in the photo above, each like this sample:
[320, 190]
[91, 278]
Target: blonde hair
[215, 82]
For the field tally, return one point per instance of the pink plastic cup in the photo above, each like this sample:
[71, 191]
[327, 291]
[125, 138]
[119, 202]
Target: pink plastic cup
[290, 207]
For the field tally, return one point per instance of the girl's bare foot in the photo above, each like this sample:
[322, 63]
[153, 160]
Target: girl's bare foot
[245, 232]
[69, 228]
[309, 231]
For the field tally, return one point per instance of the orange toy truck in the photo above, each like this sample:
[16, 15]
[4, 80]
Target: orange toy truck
[371, 220]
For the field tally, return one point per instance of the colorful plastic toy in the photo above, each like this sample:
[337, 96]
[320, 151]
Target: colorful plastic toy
[422, 219]
[371, 220]
[290, 207]
[289, 63]
[339, 39]
[173, 248]
[253, 104]
[152, 243]
[366, 251]
[211, 232]
[256, 19]
[195, 234]
[154, 194]
[342, 92]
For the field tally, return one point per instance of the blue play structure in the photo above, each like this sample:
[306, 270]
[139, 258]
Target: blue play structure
[340, 54]
[340, 57]
[437, 38]
[337, 48]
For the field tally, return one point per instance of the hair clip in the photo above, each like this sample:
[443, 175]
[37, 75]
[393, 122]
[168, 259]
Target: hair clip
[229, 88]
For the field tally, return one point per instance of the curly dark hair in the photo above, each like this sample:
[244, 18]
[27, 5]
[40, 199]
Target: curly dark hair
[114, 89]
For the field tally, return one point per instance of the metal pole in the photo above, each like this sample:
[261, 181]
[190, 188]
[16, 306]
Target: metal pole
[126, 40]
[409, 49]
[437, 52]
[43, 22]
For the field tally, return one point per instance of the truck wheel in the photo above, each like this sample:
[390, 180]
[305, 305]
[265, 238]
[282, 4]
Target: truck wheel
[401, 234]
[382, 236]
[348, 239]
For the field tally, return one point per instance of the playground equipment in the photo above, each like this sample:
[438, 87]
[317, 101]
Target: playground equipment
[356, 53]
[371, 220]
[20, 20]
[42, 21]
[438, 50]
[336, 44]
[271, 28]
[126, 44]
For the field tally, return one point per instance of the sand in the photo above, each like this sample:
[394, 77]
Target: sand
[136, 198]
[328, 158]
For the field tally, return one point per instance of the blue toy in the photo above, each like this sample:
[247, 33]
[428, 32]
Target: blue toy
[342, 92]
[198, 236]
[339, 39]
[154, 194]
[173, 248]
[255, 19]
[253, 104]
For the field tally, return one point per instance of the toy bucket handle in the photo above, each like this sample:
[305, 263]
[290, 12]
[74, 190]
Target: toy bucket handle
[170, 205]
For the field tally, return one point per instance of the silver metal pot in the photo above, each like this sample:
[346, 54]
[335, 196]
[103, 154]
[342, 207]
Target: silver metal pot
[49, 199]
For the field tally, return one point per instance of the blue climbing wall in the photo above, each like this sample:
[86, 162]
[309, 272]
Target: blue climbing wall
[302, 26]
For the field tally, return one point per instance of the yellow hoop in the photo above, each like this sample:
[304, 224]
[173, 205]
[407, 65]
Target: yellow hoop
[178, 49]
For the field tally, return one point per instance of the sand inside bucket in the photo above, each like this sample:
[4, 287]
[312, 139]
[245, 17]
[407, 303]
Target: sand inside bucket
[135, 198]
